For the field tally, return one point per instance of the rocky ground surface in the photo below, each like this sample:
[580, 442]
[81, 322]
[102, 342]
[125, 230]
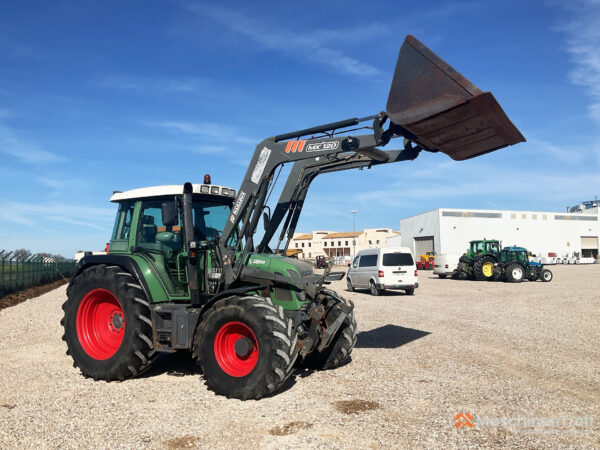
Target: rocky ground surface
[523, 352]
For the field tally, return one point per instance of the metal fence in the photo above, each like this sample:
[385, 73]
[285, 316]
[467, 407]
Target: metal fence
[20, 273]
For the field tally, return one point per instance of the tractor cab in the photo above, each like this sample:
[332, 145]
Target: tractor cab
[149, 225]
[484, 247]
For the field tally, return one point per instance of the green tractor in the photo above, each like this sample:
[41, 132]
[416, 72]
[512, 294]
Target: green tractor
[184, 272]
[514, 266]
[478, 263]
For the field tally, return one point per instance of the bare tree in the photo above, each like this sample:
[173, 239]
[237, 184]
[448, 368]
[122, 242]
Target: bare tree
[22, 253]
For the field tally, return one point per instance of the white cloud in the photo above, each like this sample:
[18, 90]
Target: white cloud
[36, 214]
[26, 151]
[582, 42]
[145, 85]
[310, 45]
[207, 130]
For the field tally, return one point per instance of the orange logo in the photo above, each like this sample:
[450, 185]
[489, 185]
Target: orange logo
[295, 146]
[463, 420]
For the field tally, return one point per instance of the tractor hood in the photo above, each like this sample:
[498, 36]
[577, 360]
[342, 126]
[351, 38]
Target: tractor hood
[282, 265]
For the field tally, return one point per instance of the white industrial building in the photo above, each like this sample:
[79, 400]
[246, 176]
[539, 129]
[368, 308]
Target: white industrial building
[570, 234]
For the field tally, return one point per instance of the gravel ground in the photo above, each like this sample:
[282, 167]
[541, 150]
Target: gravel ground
[493, 350]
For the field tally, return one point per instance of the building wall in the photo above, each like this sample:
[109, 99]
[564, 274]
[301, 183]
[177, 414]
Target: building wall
[338, 244]
[539, 232]
[421, 226]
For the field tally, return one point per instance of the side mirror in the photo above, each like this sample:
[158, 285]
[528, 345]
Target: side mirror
[169, 214]
[266, 220]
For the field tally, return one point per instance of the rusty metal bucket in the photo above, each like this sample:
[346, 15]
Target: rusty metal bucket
[444, 110]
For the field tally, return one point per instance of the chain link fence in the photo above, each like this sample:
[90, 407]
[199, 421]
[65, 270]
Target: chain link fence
[17, 272]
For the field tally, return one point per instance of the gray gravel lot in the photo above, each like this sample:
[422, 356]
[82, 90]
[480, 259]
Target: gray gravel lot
[493, 350]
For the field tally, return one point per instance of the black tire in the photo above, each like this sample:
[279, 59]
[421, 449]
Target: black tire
[498, 273]
[349, 286]
[478, 268]
[546, 275]
[442, 276]
[410, 291]
[514, 273]
[276, 347]
[339, 349]
[135, 353]
[375, 291]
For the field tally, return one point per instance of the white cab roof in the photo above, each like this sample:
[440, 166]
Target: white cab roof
[384, 250]
[173, 189]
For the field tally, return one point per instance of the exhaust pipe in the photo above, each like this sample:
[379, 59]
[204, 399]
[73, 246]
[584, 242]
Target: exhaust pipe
[191, 244]
[442, 109]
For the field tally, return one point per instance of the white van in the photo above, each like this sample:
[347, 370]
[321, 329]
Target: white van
[445, 264]
[379, 269]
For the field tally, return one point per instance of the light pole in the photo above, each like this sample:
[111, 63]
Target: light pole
[353, 212]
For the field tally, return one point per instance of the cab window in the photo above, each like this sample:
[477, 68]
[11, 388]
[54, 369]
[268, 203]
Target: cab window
[355, 262]
[123, 221]
[492, 247]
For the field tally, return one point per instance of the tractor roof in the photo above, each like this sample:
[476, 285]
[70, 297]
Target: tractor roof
[515, 249]
[174, 189]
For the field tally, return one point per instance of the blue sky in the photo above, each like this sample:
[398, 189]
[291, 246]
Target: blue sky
[97, 96]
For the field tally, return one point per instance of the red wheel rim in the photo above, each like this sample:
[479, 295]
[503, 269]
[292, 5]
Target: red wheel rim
[100, 324]
[241, 362]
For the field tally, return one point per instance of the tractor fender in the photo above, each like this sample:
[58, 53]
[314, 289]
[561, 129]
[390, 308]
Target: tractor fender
[125, 262]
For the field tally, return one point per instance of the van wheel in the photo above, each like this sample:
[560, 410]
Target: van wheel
[375, 291]
[349, 286]
[442, 276]
[410, 291]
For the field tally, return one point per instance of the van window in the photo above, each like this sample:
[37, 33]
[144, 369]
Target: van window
[355, 262]
[398, 259]
[368, 261]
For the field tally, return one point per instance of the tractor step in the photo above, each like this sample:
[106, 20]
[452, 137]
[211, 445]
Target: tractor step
[174, 326]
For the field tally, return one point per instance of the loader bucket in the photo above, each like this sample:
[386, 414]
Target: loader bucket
[442, 109]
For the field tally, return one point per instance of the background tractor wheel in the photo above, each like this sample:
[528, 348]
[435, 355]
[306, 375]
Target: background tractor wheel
[515, 273]
[546, 275]
[107, 323]
[245, 346]
[339, 348]
[483, 269]
[349, 285]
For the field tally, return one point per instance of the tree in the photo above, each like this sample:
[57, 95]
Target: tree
[22, 253]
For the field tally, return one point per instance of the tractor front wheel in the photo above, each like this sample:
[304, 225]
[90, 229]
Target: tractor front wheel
[245, 347]
[546, 275]
[515, 273]
[339, 348]
[107, 323]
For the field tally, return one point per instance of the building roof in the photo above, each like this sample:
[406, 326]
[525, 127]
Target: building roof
[302, 237]
[174, 189]
[343, 235]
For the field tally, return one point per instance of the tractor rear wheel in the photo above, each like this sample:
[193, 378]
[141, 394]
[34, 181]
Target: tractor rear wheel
[546, 275]
[483, 269]
[107, 323]
[339, 348]
[515, 273]
[245, 346]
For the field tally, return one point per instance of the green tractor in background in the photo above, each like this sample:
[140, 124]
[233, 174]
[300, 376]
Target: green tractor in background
[479, 261]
